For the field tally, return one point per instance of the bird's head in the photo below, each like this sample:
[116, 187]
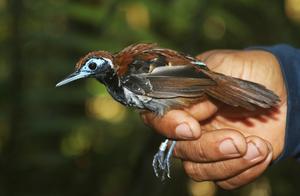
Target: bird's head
[97, 64]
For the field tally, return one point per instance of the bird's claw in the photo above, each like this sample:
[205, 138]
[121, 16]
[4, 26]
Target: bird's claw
[161, 165]
[161, 161]
[157, 162]
[167, 167]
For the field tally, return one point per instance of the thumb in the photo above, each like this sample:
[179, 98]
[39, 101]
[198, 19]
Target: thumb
[175, 124]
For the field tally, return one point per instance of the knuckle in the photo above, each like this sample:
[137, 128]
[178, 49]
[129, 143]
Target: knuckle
[191, 151]
[208, 171]
[196, 172]
[223, 166]
[221, 170]
[201, 152]
[189, 169]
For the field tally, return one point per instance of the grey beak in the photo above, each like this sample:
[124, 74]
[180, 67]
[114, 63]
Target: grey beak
[72, 77]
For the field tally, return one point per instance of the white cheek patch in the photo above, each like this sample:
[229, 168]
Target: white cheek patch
[98, 61]
[109, 62]
[94, 60]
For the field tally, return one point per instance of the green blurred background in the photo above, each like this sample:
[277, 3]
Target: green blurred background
[77, 141]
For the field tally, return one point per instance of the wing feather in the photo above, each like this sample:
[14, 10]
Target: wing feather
[170, 82]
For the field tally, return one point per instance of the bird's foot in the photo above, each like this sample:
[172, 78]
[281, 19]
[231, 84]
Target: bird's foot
[158, 163]
[161, 162]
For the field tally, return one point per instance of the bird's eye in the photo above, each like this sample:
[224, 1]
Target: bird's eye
[92, 66]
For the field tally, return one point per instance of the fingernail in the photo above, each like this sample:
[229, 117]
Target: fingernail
[227, 147]
[252, 152]
[184, 131]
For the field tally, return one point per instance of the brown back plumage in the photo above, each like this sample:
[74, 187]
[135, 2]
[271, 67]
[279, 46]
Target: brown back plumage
[127, 55]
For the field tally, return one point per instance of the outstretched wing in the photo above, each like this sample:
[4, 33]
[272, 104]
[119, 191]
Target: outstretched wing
[169, 82]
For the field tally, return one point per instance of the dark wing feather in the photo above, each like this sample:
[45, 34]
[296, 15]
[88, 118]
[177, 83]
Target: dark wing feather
[171, 87]
[169, 82]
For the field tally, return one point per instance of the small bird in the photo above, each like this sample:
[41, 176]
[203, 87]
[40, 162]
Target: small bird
[147, 77]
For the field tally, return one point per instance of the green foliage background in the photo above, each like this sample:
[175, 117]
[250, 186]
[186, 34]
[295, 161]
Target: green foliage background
[53, 142]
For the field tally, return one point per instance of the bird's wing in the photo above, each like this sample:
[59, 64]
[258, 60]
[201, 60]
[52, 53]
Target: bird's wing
[169, 82]
[189, 82]
[164, 73]
[126, 57]
[143, 58]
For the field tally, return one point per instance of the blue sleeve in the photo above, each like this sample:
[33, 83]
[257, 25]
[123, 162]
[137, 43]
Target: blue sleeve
[289, 59]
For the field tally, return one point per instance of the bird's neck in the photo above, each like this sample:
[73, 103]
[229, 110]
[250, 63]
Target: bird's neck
[114, 87]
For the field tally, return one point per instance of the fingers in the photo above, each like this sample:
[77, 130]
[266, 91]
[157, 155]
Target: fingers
[247, 176]
[181, 124]
[256, 157]
[176, 124]
[212, 146]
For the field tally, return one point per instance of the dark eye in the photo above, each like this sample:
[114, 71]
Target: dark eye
[92, 66]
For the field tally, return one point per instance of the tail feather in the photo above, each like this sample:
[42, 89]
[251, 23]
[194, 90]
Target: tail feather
[229, 98]
[237, 92]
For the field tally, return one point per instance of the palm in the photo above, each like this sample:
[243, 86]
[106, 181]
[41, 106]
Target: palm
[259, 67]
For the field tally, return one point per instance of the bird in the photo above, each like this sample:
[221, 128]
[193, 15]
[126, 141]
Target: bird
[150, 78]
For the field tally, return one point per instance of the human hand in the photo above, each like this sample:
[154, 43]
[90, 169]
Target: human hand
[236, 145]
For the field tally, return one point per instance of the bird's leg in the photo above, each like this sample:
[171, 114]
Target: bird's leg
[158, 158]
[161, 163]
[167, 159]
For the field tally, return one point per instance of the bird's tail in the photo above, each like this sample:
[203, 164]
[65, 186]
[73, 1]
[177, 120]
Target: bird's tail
[238, 92]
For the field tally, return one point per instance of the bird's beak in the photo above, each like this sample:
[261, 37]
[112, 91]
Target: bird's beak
[72, 77]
